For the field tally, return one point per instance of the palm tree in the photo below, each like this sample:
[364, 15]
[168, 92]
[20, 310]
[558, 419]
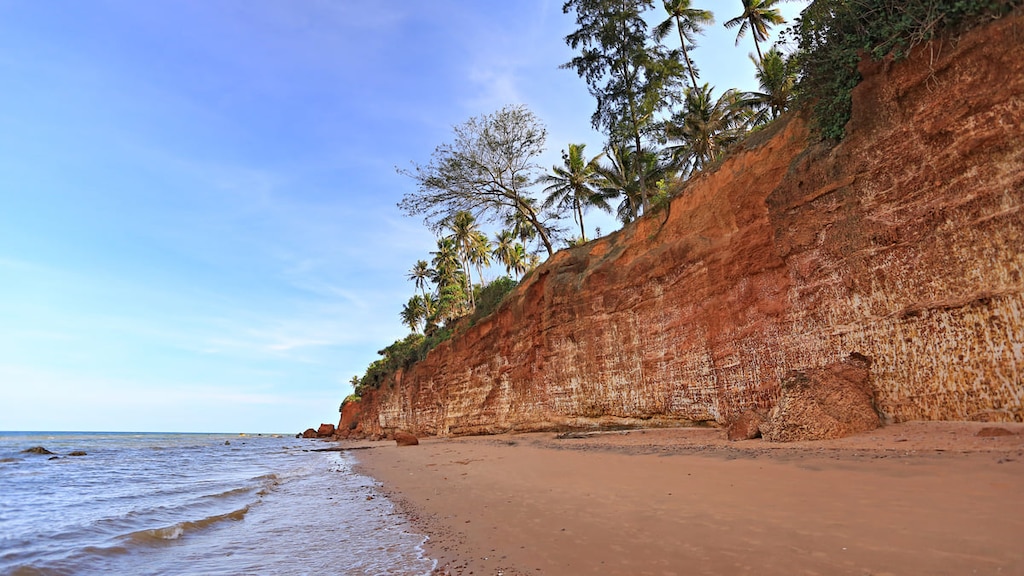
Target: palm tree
[706, 126]
[479, 253]
[420, 275]
[451, 280]
[688, 22]
[465, 232]
[776, 76]
[757, 16]
[504, 246]
[448, 268]
[573, 186]
[414, 312]
[519, 260]
[520, 226]
[620, 178]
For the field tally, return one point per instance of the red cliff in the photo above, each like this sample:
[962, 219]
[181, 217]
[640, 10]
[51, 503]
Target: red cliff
[904, 244]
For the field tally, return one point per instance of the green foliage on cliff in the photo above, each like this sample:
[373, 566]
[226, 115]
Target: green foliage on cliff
[832, 36]
[490, 296]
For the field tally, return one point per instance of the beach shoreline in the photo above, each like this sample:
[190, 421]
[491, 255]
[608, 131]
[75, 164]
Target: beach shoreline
[912, 498]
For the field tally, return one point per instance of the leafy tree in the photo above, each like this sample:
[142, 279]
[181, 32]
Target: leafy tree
[688, 22]
[573, 186]
[486, 171]
[631, 79]
[757, 16]
[706, 126]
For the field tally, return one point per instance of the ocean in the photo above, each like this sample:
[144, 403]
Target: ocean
[194, 504]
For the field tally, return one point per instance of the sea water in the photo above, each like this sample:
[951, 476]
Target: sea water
[194, 504]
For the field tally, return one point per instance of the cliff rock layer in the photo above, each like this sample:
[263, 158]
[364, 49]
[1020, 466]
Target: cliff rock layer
[904, 243]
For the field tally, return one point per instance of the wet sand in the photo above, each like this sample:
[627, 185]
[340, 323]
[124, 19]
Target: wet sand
[913, 498]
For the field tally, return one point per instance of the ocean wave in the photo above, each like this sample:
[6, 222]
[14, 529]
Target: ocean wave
[176, 531]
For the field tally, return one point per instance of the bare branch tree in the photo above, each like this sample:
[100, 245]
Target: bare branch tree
[486, 170]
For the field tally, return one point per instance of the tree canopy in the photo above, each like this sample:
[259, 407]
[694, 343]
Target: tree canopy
[486, 170]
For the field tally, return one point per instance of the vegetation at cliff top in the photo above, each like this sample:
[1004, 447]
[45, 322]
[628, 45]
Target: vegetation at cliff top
[832, 36]
[662, 127]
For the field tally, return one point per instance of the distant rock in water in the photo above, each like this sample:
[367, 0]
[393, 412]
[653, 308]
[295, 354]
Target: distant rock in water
[78, 453]
[36, 450]
[309, 433]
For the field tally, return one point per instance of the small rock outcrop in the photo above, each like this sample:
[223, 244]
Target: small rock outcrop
[36, 450]
[325, 431]
[822, 403]
[993, 432]
[309, 433]
[746, 426]
[406, 439]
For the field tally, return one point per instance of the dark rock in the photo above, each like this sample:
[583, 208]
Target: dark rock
[406, 439]
[309, 433]
[821, 403]
[77, 453]
[993, 432]
[36, 450]
[746, 426]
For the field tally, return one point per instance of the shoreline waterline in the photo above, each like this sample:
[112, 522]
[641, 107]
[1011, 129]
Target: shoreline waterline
[195, 503]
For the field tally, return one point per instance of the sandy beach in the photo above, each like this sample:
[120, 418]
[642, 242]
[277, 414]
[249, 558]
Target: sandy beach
[913, 498]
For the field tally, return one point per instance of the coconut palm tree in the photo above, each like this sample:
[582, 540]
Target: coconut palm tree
[776, 77]
[519, 260]
[706, 126]
[420, 275]
[479, 254]
[450, 278]
[466, 234]
[414, 312]
[504, 245]
[620, 178]
[757, 16]
[573, 186]
[688, 22]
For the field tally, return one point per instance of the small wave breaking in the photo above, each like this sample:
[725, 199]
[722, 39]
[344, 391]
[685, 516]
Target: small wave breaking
[176, 531]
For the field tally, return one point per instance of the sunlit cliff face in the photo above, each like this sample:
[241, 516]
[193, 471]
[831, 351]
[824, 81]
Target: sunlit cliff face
[902, 243]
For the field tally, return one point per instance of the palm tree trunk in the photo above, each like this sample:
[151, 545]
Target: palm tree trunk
[579, 211]
[686, 56]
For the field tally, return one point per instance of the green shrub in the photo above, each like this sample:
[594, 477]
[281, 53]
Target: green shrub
[832, 35]
[490, 297]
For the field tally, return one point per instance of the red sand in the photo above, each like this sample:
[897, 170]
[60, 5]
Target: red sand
[915, 498]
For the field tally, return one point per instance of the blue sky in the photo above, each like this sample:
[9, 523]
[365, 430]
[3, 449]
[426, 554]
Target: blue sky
[198, 229]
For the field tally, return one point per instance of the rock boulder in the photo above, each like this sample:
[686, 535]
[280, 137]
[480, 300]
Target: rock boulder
[405, 439]
[821, 403]
[746, 426]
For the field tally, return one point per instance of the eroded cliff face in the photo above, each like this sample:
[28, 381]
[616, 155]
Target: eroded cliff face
[904, 243]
